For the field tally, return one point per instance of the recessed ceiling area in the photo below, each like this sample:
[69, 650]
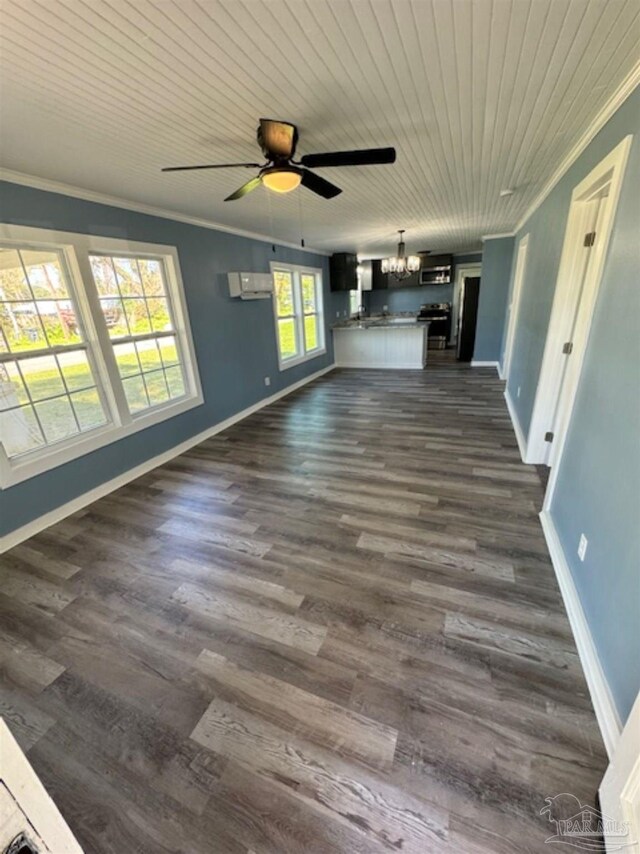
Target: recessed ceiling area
[476, 96]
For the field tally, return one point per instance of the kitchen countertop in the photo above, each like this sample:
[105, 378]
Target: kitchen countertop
[391, 321]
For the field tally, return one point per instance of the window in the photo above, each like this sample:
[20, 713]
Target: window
[355, 296]
[94, 345]
[298, 308]
[48, 386]
[137, 312]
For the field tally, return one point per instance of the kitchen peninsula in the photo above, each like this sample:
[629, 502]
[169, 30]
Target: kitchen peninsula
[393, 341]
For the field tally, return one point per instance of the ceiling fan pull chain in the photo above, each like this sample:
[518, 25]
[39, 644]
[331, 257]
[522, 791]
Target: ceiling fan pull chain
[271, 229]
[301, 220]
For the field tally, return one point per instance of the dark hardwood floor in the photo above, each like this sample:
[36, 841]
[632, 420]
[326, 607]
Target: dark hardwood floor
[332, 628]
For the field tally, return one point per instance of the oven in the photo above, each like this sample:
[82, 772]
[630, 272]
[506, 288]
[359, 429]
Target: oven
[439, 314]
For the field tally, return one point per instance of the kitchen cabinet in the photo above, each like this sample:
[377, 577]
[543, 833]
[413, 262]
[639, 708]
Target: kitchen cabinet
[343, 271]
[386, 281]
[378, 346]
[379, 280]
[412, 281]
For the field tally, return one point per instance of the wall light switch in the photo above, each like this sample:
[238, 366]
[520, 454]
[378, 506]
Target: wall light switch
[267, 380]
[582, 546]
[518, 392]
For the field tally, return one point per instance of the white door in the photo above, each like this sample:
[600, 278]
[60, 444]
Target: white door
[579, 316]
[26, 810]
[514, 305]
[620, 790]
[587, 234]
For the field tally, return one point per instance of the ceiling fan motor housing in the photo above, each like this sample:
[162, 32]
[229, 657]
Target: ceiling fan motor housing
[277, 140]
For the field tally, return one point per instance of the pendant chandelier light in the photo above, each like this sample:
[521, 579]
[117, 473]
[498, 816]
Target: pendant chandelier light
[401, 265]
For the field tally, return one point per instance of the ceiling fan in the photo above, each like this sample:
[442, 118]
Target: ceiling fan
[282, 173]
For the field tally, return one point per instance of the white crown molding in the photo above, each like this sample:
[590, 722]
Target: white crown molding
[125, 204]
[498, 236]
[614, 103]
[19, 535]
[603, 703]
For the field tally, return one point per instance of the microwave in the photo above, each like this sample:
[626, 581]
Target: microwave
[436, 270]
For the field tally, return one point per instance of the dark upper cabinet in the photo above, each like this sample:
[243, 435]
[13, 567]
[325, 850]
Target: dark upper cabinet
[412, 281]
[343, 271]
[379, 280]
[384, 281]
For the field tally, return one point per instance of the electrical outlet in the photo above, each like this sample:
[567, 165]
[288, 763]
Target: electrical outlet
[344, 313]
[518, 392]
[337, 314]
[385, 308]
[582, 546]
[267, 380]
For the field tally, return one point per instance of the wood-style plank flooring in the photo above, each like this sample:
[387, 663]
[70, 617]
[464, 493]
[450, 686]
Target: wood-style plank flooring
[332, 628]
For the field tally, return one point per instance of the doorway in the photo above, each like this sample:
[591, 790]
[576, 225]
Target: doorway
[468, 318]
[589, 225]
[462, 272]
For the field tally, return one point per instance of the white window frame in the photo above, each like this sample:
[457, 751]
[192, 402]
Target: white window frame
[76, 250]
[303, 355]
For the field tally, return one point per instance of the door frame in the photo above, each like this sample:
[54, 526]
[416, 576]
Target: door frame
[620, 788]
[609, 171]
[45, 821]
[514, 306]
[464, 271]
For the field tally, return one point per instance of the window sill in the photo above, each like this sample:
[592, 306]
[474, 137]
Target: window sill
[300, 360]
[19, 470]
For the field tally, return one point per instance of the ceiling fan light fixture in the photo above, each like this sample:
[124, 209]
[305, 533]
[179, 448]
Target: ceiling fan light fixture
[281, 180]
[400, 265]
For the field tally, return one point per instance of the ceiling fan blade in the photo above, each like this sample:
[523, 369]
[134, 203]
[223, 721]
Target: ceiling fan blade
[211, 166]
[244, 189]
[277, 139]
[361, 157]
[318, 185]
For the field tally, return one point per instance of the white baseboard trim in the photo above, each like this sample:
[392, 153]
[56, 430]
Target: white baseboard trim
[409, 366]
[481, 364]
[517, 429]
[59, 513]
[500, 371]
[601, 697]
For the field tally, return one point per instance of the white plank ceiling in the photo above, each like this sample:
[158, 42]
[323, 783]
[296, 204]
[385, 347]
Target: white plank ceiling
[476, 95]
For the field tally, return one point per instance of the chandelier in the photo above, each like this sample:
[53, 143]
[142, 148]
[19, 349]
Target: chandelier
[401, 265]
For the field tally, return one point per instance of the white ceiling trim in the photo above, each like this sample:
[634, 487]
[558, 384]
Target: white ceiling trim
[116, 202]
[497, 236]
[626, 88]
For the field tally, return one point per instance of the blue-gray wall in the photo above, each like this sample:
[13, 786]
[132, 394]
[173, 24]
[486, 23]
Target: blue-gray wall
[494, 290]
[598, 487]
[410, 299]
[234, 340]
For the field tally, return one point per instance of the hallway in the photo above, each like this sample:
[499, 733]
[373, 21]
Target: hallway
[333, 627]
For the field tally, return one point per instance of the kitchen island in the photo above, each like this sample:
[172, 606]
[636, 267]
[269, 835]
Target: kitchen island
[398, 342]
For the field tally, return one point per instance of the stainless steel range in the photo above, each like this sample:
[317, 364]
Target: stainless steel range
[439, 314]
